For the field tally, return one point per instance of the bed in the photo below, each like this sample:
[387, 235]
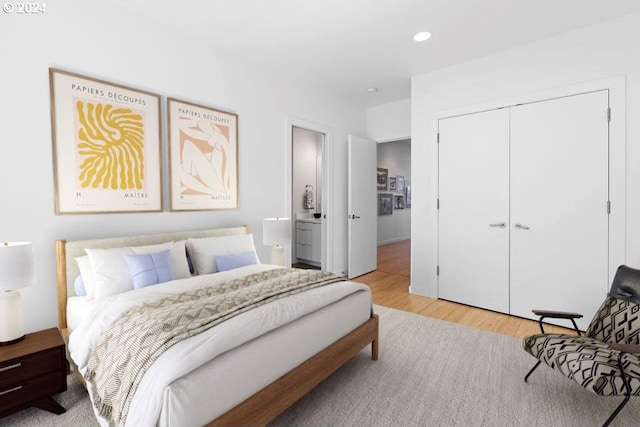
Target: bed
[271, 355]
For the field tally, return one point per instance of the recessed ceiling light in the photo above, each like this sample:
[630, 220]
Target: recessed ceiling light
[422, 36]
[372, 90]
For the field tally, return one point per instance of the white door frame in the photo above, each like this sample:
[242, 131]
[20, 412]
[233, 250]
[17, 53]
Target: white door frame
[617, 167]
[327, 184]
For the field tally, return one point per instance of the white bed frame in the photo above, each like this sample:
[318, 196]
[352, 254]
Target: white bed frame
[266, 404]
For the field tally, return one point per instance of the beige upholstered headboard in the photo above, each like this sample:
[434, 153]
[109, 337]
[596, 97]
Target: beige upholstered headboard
[67, 268]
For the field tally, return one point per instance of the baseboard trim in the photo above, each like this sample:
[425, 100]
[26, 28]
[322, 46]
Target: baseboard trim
[399, 239]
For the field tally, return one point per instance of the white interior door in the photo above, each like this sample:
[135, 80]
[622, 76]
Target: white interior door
[559, 194]
[362, 206]
[473, 218]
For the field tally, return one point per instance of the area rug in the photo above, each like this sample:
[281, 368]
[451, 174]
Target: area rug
[430, 373]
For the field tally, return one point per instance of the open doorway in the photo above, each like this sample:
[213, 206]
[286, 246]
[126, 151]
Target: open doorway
[394, 163]
[306, 198]
[309, 201]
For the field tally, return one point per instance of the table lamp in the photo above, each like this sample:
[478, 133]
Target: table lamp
[16, 271]
[276, 232]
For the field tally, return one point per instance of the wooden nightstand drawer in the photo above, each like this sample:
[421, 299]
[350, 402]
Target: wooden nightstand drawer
[31, 371]
[31, 389]
[15, 371]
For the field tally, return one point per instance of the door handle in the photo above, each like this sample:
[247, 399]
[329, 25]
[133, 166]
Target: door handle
[500, 225]
[522, 227]
[354, 216]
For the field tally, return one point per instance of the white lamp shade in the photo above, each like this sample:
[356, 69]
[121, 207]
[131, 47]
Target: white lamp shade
[16, 265]
[276, 231]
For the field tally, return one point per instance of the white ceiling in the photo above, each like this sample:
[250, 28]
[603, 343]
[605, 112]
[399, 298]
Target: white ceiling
[347, 46]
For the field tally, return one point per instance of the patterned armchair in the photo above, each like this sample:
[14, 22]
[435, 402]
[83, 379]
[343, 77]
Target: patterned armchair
[606, 361]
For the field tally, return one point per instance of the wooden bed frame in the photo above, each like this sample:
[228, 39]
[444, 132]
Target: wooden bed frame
[271, 401]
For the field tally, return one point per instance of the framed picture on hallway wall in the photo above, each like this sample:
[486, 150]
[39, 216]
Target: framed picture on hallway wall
[385, 204]
[106, 146]
[383, 174]
[392, 183]
[203, 157]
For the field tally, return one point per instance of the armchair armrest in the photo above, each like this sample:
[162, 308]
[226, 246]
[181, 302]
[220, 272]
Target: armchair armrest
[557, 314]
[625, 348]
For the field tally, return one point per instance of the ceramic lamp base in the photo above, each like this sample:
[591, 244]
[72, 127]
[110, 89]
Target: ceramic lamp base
[11, 320]
[277, 255]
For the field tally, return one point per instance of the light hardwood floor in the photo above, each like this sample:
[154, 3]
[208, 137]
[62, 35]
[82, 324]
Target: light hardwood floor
[390, 287]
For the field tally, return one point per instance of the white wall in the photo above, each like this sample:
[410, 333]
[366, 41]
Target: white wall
[389, 122]
[396, 158]
[101, 41]
[602, 51]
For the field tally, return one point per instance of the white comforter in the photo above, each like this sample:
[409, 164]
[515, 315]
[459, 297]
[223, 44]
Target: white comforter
[189, 354]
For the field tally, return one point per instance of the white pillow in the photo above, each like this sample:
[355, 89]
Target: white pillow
[84, 265]
[203, 251]
[111, 273]
[179, 263]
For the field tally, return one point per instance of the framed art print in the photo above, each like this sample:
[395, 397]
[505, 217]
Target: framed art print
[382, 179]
[385, 204]
[203, 157]
[392, 183]
[106, 146]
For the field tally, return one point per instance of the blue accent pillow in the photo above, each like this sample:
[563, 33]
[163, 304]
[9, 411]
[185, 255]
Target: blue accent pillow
[230, 262]
[150, 269]
[78, 286]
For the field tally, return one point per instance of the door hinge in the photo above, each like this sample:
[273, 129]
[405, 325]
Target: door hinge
[437, 203]
[609, 114]
[438, 138]
[437, 270]
[608, 206]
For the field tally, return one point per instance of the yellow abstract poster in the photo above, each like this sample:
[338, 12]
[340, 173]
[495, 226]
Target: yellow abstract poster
[203, 149]
[106, 146]
[110, 148]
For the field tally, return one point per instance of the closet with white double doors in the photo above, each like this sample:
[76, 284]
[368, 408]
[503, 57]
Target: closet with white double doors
[523, 217]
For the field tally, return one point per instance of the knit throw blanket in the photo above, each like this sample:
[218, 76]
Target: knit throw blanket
[127, 349]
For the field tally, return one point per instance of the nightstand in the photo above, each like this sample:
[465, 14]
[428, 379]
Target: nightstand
[32, 371]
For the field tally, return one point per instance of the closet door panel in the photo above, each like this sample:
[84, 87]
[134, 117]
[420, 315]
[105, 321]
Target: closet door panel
[473, 186]
[559, 193]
